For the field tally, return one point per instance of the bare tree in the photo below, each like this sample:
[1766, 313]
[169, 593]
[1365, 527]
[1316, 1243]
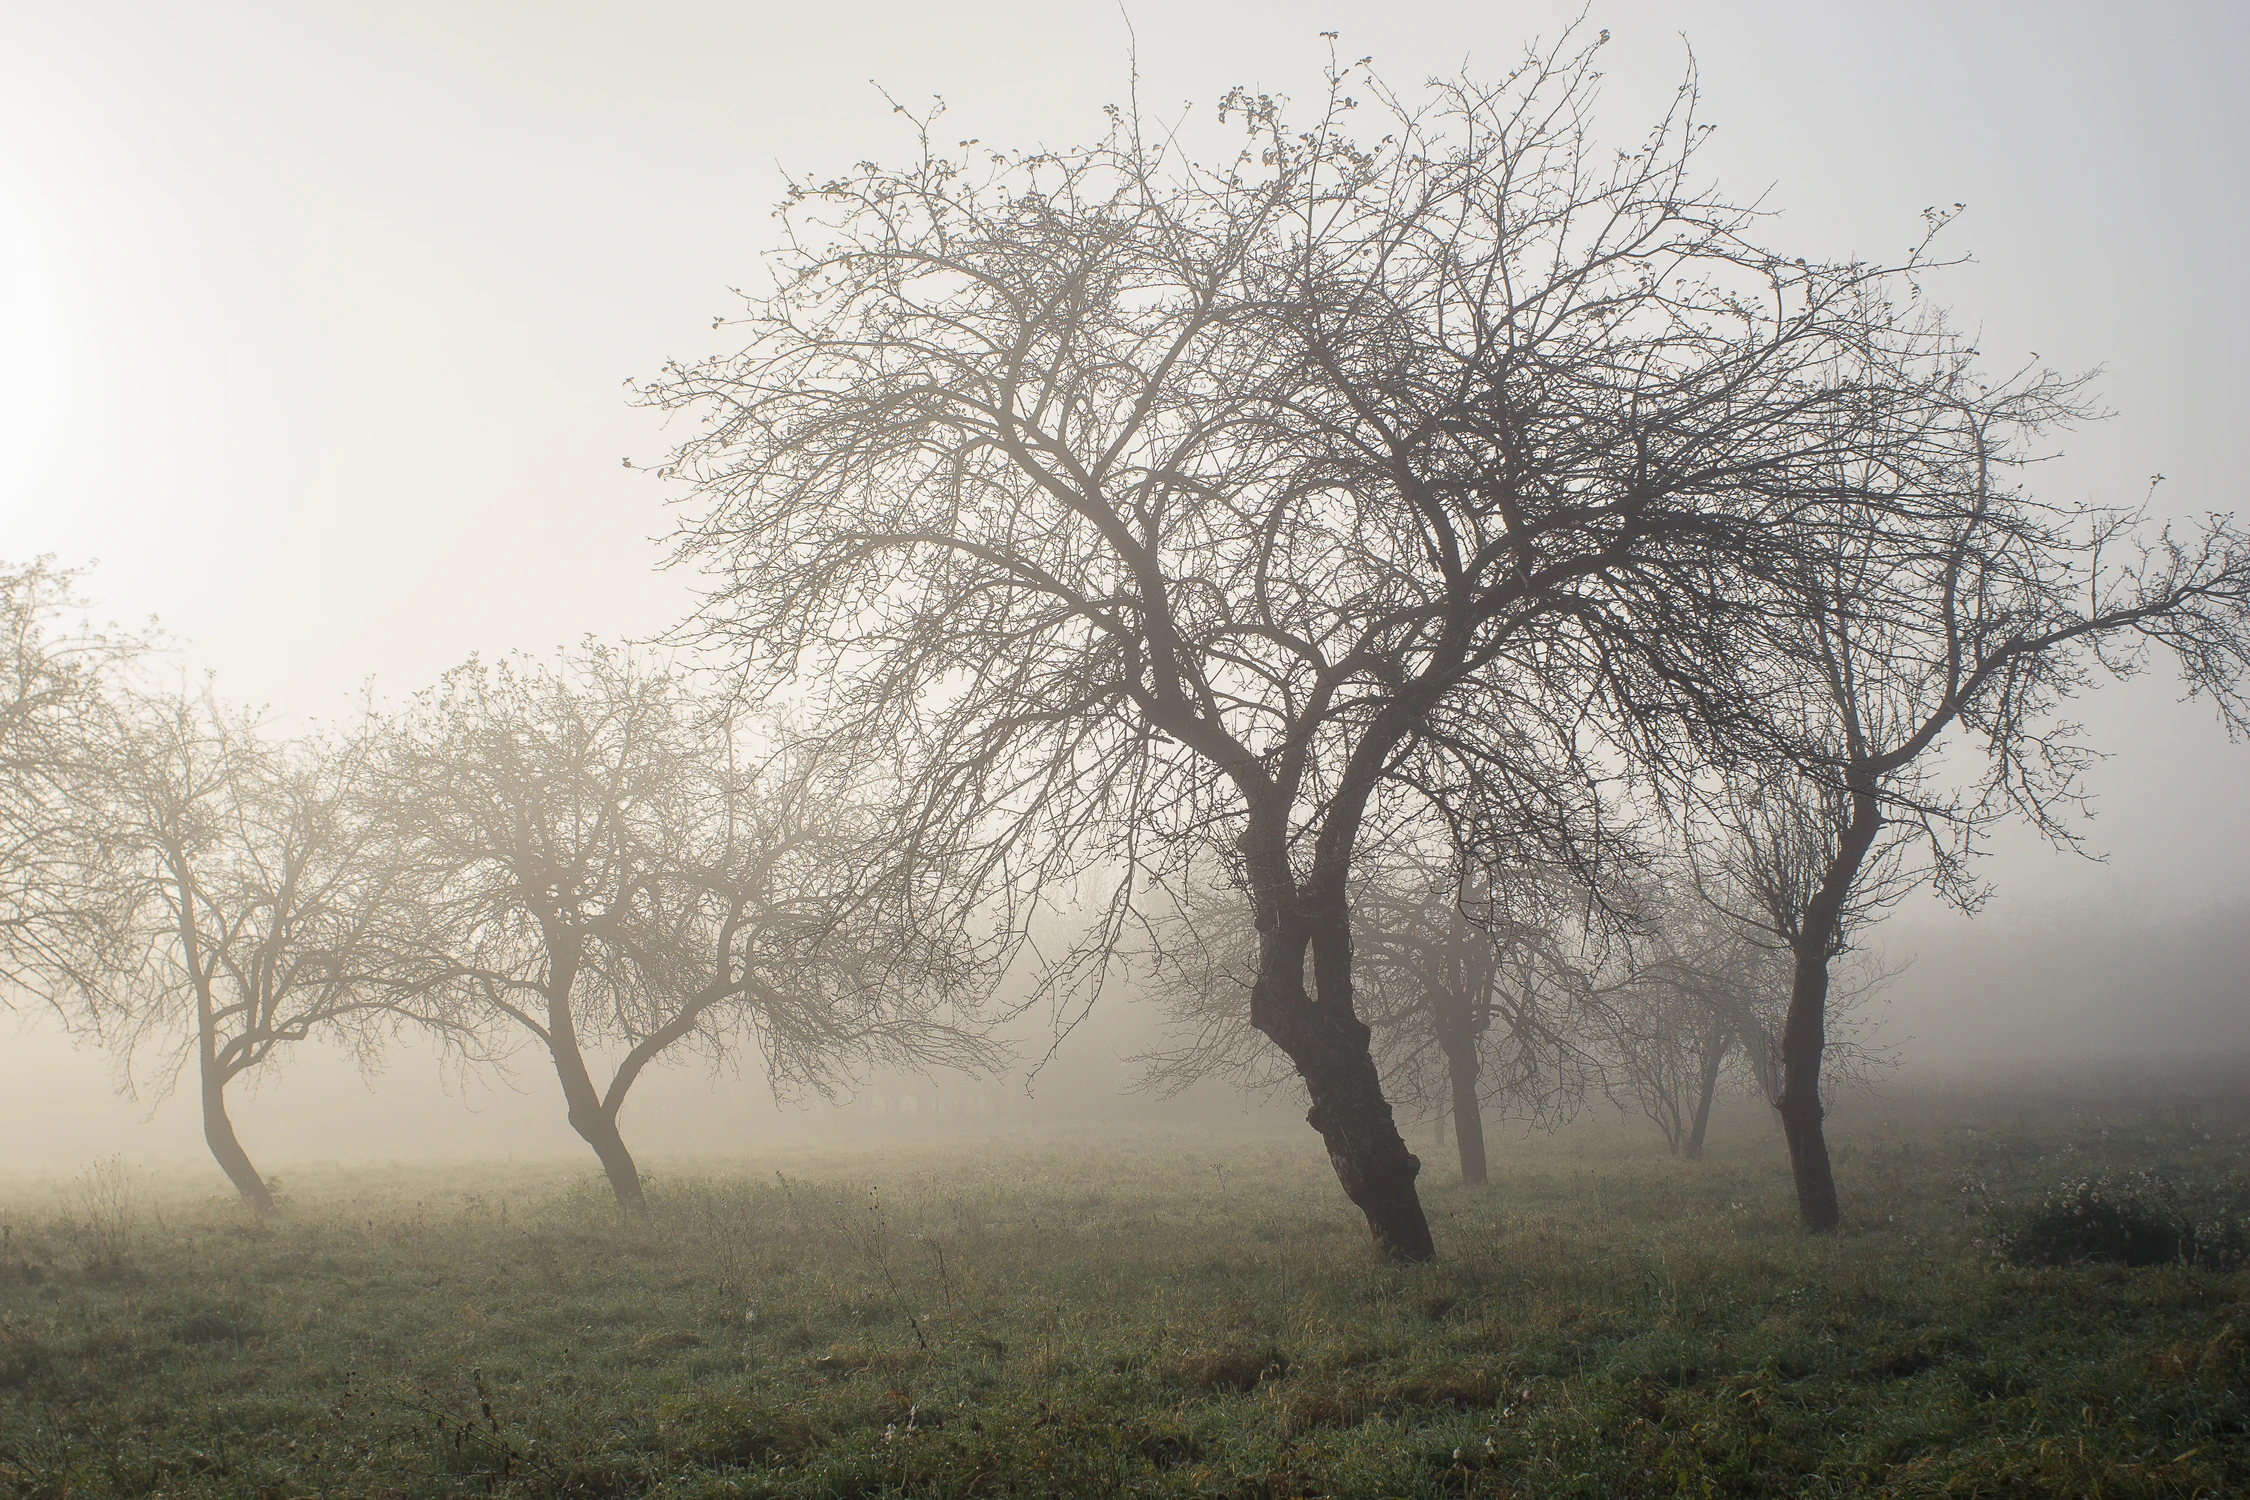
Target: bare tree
[1477, 987]
[248, 901]
[1697, 989]
[601, 867]
[54, 892]
[1933, 593]
[1161, 506]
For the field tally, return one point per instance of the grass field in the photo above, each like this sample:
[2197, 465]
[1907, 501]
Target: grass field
[1159, 1313]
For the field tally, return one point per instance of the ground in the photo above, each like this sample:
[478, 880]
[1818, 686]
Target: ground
[1182, 1312]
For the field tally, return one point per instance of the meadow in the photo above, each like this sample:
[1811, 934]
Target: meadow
[1148, 1312]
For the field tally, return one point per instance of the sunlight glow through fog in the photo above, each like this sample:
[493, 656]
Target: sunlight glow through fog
[315, 322]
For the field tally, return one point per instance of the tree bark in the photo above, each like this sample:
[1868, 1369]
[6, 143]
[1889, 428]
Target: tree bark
[1468, 1115]
[1804, 1038]
[1317, 1028]
[226, 1147]
[1371, 1158]
[1329, 1045]
[1715, 1045]
[1804, 1031]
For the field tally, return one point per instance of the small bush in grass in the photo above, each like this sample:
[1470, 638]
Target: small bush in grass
[2139, 1220]
[2222, 1240]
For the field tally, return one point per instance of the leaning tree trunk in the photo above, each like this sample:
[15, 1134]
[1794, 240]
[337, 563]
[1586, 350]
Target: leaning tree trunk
[595, 1123]
[1715, 1044]
[599, 1128]
[1468, 1115]
[1804, 1031]
[218, 1129]
[1329, 1045]
[1355, 1124]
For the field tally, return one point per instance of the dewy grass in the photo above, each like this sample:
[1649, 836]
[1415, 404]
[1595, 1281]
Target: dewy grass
[1163, 1314]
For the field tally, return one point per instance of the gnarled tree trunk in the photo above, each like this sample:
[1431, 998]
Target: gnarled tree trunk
[1329, 1045]
[1371, 1158]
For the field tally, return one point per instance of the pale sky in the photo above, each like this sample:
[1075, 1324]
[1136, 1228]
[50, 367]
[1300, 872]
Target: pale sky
[315, 319]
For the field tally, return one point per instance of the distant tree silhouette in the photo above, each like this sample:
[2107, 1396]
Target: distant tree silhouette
[603, 861]
[248, 899]
[1477, 991]
[1694, 989]
[1931, 597]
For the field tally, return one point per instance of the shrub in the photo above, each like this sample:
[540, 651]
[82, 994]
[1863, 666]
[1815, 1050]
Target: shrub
[2143, 1219]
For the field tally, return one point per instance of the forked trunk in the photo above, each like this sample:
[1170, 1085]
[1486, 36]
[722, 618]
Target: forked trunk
[1468, 1116]
[226, 1148]
[1715, 1044]
[594, 1122]
[218, 1130]
[1804, 1031]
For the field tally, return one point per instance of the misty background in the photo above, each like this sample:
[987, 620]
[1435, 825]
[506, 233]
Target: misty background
[315, 327]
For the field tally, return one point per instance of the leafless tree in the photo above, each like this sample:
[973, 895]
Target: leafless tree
[1477, 985]
[1932, 596]
[601, 864]
[1695, 989]
[247, 904]
[54, 890]
[1161, 506]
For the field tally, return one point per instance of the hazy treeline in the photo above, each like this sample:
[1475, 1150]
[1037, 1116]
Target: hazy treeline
[1534, 1001]
[2110, 976]
[1474, 618]
[604, 856]
[596, 855]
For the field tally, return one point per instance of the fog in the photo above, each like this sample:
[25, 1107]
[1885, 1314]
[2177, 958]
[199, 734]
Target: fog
[316, 325]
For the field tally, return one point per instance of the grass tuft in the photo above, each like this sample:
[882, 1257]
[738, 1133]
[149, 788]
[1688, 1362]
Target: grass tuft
[1232, 1368]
